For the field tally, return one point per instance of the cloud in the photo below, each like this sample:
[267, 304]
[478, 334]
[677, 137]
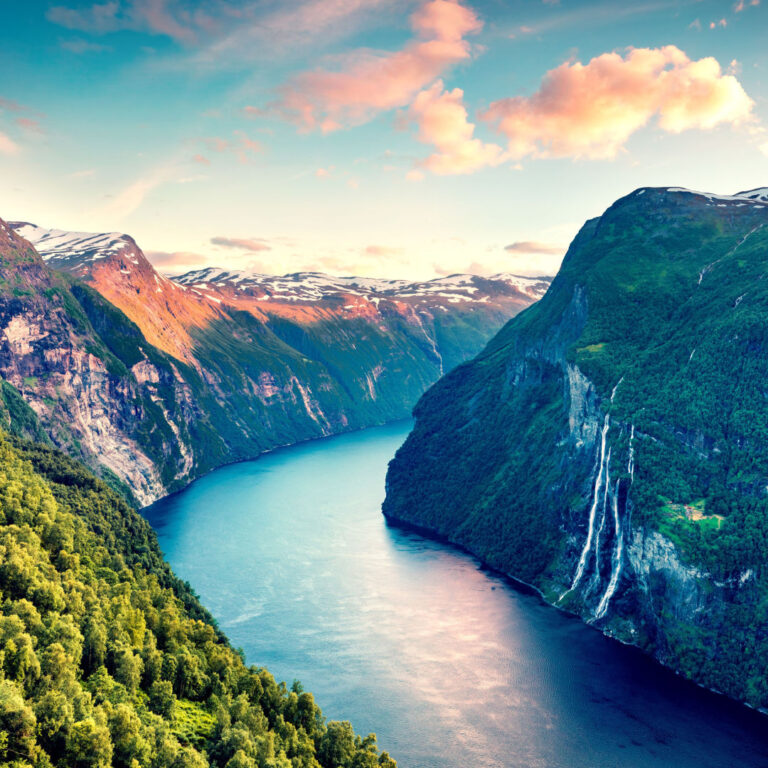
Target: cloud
[473, 268]
[591, 110]
[132, 196]
[80, 47]
[7, 145]
[292, 25]
[721, 23]
[159, 17]
[442, 120]
[764, 148]
[28, 125]
[322, 173]
[534, 247]
[383, 251]
[254, 245]
[11, 106]
[370, 82]
[176, 258]
[225, 31]
[241, 145]
[742, 5]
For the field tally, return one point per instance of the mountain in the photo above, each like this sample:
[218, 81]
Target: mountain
[154, 381]
[610, 445]
[109, 660]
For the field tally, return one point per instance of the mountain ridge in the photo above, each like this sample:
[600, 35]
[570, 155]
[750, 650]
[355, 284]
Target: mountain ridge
[192, 378]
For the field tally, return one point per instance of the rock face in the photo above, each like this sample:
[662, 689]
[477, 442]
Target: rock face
[610, 445]
[154, 381]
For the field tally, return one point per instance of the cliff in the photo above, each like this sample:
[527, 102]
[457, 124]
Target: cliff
[609, 445]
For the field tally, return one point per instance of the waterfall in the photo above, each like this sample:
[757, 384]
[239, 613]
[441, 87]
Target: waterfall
[603, 470]
[618, 552]
[595, 581]
[432, 342]
[593, 509]
[616, 559]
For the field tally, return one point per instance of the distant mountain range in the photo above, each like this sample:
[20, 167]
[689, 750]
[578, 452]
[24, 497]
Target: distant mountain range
[610, 444]
[154, 380]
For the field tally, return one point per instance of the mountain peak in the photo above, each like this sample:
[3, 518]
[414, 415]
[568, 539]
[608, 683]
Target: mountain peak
[759, 195]
[72, 250]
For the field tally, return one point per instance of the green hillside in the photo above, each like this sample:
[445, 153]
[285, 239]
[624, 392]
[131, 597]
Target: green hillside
[662, 302]
[109, 660]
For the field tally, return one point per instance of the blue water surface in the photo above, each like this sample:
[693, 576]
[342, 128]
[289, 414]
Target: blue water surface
[450, 665]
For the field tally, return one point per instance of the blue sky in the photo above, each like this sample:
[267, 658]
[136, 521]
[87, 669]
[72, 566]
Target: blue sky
[402, 138]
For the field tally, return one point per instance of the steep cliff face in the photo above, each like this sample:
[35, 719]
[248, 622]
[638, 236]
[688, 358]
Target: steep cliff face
[609, 445]
[155, 381]
[52, 358]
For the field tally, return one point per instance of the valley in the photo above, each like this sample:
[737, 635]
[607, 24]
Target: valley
[154, 381]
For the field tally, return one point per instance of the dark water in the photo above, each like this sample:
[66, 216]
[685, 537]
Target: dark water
[450, 665]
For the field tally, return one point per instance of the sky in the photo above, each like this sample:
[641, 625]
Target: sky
[384, 138]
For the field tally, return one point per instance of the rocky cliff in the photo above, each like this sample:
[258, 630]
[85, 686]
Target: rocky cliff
[609, 445]
[154, 382]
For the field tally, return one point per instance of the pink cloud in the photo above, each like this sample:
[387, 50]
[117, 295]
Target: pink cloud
[217, 144]
[253, 245]
[371, 82]
[29, 125]
[742, 5]
[534, 247]
[246, 147]
[243, 147]
[7, 145]
[175, 258]
[442, 120]
[383, 251]
[591, 110]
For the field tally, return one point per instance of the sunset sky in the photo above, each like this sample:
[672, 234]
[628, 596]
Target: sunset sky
[396, 138]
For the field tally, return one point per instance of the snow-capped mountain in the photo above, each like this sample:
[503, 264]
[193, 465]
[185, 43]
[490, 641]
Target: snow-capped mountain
[72, 250]
[316, 286]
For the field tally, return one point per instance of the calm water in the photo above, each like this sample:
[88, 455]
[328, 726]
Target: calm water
[450, 665]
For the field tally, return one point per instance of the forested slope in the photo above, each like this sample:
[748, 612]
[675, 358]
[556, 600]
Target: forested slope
[107, 659]
[610, 445]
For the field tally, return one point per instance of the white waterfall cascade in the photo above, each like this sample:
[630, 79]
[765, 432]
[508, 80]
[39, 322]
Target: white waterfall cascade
[618, 551]
[595, 581]
[602, 483]
[593, 509]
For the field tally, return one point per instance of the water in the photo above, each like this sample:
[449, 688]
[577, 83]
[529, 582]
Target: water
[451, 666]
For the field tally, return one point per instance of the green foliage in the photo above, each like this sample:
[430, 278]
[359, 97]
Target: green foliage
[665, 296]
[16, 417]
[108, 660]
